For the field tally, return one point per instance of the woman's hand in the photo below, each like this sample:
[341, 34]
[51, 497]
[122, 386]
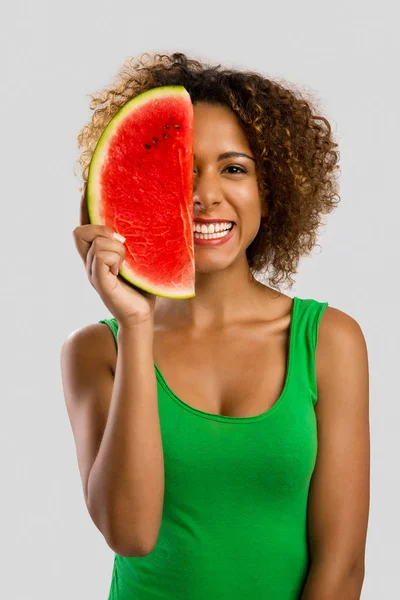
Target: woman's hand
[102, 256]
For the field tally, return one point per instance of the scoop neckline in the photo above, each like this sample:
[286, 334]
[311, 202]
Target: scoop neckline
[230, 419]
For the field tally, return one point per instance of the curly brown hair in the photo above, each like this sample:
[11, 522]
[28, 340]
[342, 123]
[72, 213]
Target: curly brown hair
[296, 156]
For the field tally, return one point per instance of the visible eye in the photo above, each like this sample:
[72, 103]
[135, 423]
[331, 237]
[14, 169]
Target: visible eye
[241, 169]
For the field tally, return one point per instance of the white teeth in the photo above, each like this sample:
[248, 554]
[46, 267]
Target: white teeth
[213, 228]
[211, 236]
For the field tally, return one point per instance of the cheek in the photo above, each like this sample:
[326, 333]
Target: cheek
[247, 197]
[245, 188]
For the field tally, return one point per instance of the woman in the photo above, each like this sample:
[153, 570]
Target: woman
[223, 440]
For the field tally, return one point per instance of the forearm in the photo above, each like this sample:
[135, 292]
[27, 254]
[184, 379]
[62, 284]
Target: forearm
[325, 582]
[126, 482]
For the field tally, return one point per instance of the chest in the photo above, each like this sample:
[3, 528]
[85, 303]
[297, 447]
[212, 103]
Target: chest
[239, 373]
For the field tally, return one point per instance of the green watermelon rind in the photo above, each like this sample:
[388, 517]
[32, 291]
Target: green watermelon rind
[93, 193]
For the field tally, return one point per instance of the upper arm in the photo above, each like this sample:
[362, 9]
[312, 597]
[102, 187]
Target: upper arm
[87, 383]
[339, 492]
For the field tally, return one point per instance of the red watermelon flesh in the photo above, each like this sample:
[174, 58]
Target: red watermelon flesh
[140, 184]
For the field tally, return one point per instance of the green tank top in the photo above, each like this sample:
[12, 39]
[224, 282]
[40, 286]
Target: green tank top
[234, 522]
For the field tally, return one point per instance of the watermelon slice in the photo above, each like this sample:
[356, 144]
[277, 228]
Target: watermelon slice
[140, 184]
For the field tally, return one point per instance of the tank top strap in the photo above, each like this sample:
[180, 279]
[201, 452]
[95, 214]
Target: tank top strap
[305, 335]
[113, 325]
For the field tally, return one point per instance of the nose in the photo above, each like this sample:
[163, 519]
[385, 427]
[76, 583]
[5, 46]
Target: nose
[206, 190]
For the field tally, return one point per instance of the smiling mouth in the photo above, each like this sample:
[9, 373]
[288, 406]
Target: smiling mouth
[214, 237]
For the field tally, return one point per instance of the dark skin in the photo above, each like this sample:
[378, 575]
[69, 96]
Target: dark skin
[237, 319]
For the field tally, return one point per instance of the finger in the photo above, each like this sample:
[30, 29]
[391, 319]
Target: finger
[100, 246]
[85, 235]
[103, 262]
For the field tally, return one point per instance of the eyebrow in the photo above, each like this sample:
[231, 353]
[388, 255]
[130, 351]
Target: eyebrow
[232, 154]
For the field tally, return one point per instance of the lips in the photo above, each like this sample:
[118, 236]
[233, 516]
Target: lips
[210, 221]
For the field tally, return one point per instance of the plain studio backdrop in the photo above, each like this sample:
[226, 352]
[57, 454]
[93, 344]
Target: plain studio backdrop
[53, 54]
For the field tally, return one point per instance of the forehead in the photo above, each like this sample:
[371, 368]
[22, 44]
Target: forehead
[217, 126]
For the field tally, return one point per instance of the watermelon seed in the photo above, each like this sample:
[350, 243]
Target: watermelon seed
[155, 140]
[167, 127]
[147, 146]
[165, 136]
[177, 127]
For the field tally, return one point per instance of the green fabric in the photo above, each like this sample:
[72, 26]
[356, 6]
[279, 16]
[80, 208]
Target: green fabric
[234, 522]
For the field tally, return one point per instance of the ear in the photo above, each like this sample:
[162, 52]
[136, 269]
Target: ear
[263, 201]
[84, 213]
[264, 208]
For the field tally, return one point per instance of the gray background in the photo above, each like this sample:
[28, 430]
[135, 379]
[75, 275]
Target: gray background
[52, 55]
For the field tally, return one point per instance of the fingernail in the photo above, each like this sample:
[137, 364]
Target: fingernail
[119, 237]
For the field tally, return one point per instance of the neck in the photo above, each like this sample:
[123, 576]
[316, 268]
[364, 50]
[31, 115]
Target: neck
[223, 297]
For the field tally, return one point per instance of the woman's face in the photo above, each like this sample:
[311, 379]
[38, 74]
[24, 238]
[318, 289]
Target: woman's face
[225, 187]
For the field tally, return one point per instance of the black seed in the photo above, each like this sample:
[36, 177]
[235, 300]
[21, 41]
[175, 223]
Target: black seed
[167, 127]
[147, 146]
[165, 136]
[155, 140]
[177, 126]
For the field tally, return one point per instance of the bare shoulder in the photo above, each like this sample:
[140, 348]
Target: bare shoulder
[339, 331]
[341, 354]
[93, 340]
